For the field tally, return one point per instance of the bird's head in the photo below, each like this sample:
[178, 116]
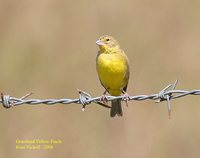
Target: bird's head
[107, 42]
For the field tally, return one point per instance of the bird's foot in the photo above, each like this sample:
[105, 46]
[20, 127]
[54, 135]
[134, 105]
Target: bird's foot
[104, 99]
[125, 97]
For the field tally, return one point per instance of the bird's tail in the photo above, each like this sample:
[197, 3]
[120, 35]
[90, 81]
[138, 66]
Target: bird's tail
[116, 108]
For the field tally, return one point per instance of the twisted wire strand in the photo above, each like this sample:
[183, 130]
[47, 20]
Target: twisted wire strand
[165, 94]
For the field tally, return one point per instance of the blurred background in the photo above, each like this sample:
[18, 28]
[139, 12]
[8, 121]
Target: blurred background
[48, 48]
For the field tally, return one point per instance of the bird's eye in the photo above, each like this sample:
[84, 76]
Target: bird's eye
[107, 39]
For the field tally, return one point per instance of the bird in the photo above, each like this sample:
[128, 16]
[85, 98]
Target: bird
[112, 67]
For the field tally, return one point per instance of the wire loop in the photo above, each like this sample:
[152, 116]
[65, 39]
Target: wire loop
[5, 101]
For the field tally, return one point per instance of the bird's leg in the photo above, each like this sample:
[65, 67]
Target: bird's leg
[126, 97]
[103, 98]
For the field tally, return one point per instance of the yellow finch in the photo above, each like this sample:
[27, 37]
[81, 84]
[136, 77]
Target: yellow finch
[113, 70]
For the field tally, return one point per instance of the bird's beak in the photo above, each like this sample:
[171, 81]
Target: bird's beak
[99, 43]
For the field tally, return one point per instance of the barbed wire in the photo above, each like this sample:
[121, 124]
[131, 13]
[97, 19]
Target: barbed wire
[165, 94]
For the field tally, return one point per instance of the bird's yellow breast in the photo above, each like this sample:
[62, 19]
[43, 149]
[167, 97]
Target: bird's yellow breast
[112, 70]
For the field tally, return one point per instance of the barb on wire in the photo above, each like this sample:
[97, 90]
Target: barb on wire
[166, 94]
[167, 97]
